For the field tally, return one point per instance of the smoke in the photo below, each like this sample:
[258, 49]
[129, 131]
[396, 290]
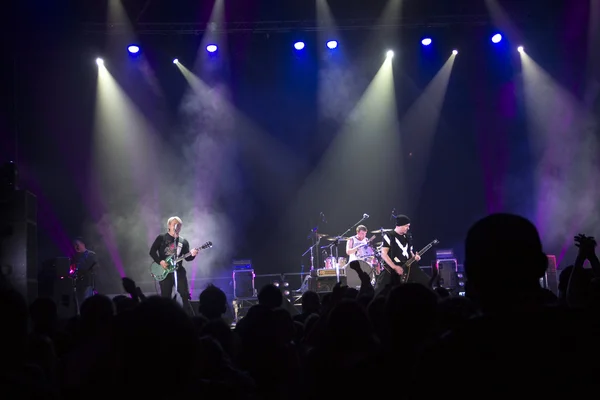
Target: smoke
[340, 86]
[185, 173]
[568, 196]
[564, 133]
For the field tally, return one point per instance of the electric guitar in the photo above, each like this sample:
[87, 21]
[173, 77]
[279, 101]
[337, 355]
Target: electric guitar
[76, 274]
[159, 273]
[407, 265]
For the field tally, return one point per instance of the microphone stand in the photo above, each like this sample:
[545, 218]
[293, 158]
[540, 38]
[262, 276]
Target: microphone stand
[312, 257]
[313, 233]
[336, 242]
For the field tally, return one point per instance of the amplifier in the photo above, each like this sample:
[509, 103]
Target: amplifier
[241, 264]
[329, 272]
[324, 283]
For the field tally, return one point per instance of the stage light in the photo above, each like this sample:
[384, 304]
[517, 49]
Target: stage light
[286, 292]
[211, 48]
[497, 38]
[389, 54]
[332, 44]
[175, 61]
[133, 49]
[99, 61]
[520, 49]
[455, 52]
[276, 283]
[299, 45]
[426, 41]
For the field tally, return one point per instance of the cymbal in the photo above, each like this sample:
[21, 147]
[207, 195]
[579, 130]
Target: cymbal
[321, 235]
[341, 239]
[382, 230]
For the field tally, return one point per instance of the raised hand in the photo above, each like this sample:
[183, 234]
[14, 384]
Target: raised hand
[586, 244]
[355, 265]
[129, 286]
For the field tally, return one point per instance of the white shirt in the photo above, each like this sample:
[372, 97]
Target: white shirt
[361, 253]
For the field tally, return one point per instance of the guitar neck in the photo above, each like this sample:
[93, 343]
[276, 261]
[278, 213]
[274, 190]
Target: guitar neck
[183, 257]
[420, 253]
[207, 245]
[425, 250]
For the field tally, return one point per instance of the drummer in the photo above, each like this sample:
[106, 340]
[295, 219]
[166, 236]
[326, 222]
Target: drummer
[357, 247]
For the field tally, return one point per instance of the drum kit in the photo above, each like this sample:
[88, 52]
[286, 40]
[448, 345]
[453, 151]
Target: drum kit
[369, 257]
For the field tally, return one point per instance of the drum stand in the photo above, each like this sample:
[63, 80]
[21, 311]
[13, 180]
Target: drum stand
[313, 233]
[312, 255]
[311, 249]
[334, 259]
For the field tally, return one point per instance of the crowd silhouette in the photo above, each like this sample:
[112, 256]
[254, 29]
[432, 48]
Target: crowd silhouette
[507, 337]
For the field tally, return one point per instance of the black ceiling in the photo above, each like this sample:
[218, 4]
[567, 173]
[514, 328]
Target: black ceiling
[182, 11]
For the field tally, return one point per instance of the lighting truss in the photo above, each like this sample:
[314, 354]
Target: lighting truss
[186, 28]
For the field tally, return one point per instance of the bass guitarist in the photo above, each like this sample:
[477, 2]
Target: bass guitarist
[396, 250]
[171, 244]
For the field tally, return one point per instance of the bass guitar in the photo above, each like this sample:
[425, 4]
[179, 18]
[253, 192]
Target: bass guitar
[407, 265]
[159, 273]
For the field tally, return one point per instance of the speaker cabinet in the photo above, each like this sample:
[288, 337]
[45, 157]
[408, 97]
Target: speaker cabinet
[447, 274]
[18, 242]
[243, 283]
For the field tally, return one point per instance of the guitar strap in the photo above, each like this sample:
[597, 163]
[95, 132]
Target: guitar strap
[177, 252]
[175, 272]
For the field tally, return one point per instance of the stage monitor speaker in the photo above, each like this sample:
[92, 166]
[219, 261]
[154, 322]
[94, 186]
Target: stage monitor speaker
[18, 242]
[287, 304]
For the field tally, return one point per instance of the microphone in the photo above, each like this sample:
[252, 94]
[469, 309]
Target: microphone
[365, 216]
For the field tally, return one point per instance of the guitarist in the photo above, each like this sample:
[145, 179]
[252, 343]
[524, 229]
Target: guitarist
[396, 250]
[171, 244]
[83, 269]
